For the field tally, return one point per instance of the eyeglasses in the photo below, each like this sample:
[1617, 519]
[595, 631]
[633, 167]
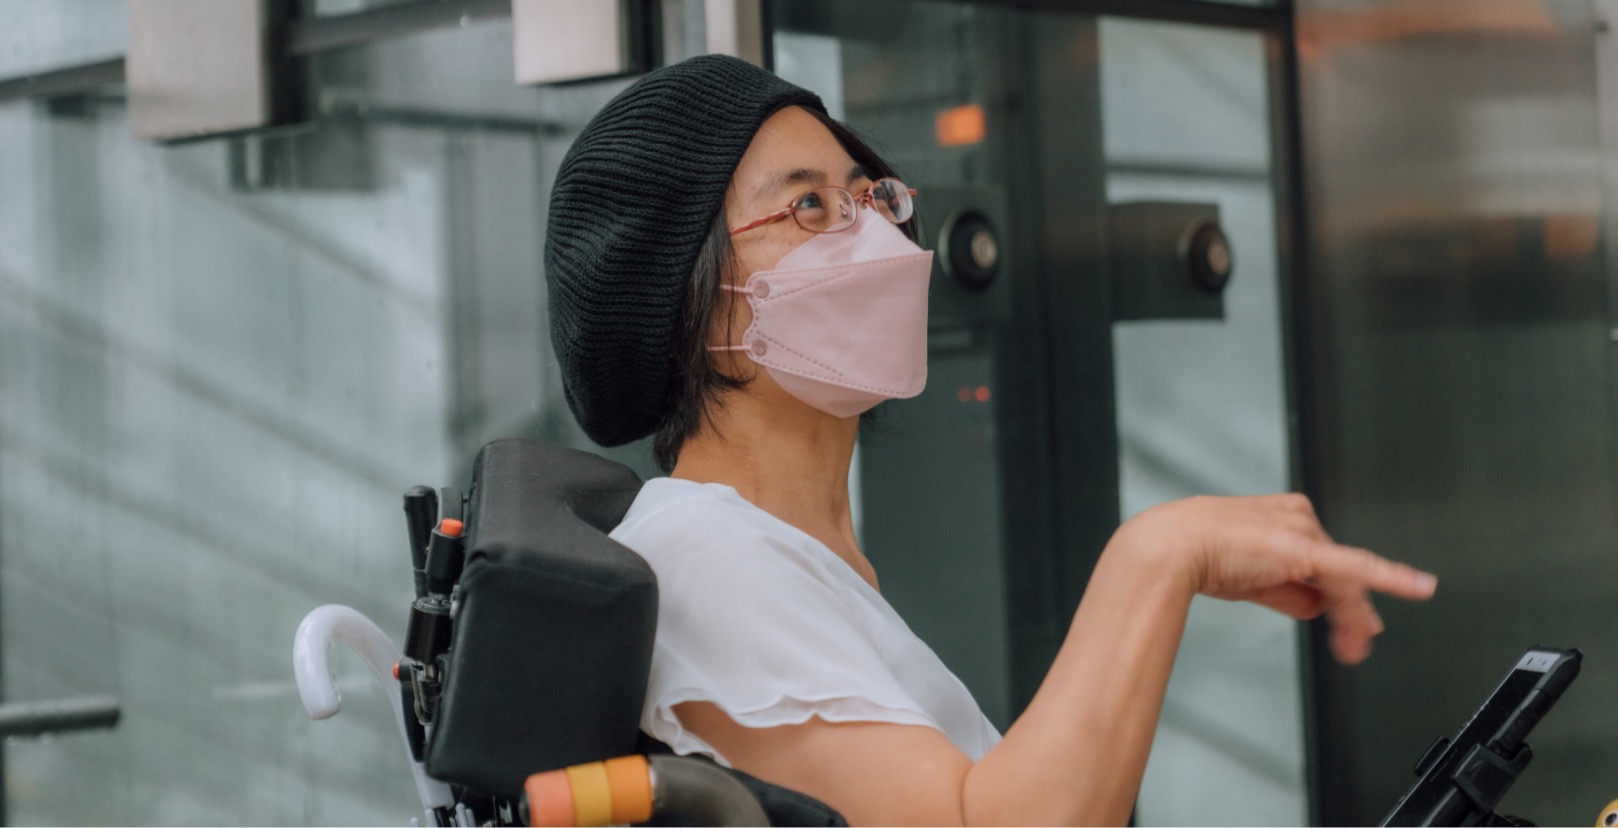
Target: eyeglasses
[830, 209]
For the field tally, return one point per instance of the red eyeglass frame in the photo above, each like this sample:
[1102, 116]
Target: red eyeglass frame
[792, 209]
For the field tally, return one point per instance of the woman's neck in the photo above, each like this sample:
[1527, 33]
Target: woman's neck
[791, 463]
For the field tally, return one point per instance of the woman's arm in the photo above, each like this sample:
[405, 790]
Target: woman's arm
[1074, 757]
[1077, 753]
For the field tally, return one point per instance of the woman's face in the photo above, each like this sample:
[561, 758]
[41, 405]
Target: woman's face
[792, 153]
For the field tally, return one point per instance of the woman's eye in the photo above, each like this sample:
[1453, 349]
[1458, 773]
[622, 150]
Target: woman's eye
[810, 201]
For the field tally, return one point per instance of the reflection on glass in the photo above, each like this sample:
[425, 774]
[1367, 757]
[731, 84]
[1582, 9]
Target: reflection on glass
[221, 364]
[1202, 409]
[926, 483]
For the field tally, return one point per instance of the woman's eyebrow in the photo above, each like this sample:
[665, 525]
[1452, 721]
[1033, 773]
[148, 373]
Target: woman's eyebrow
[776, 180]
[803, 175]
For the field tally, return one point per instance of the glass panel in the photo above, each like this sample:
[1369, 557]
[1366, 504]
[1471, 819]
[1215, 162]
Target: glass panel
[1202, 409]
[221, 364]
[1201, 406]
[926, 479]
[37, 36]
[1464, 247]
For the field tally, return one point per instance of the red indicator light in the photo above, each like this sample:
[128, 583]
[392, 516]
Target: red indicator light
[964, 394]
[982, 394]
[451, 527]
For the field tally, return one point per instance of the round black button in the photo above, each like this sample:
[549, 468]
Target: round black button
[1206, 254]
[969, 250]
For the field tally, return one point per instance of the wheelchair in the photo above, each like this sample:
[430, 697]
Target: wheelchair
[519, 688]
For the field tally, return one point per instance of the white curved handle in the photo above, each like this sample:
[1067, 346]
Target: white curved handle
[319, 692]
[313, 641]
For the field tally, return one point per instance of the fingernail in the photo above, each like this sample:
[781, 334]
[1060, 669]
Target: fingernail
[1426, 582]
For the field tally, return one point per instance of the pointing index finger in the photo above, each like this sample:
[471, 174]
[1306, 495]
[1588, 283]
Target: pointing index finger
[1350, 565]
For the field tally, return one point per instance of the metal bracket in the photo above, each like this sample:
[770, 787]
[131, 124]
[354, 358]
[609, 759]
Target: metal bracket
[200, 69]
[736, 27]
[571, 40]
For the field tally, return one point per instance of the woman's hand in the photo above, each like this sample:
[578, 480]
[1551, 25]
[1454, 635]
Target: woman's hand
[1272, 550]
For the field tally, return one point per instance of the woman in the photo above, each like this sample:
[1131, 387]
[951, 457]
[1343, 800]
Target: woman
[732, 271]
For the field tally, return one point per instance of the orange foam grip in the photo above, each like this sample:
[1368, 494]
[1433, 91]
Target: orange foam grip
[592, 795]
[631, 783]
[550, 799]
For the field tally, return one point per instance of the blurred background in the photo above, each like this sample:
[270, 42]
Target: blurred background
[265, 264]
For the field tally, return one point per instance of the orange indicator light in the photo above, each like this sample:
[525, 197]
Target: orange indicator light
[960, 126]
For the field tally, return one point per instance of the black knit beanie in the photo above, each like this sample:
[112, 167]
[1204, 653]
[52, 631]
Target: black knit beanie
[633, 202]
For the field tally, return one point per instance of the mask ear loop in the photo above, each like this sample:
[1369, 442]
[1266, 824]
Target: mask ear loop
[733, 289]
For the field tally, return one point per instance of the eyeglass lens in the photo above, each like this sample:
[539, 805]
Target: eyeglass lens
[829, 209]
[824, 210]
[891, 198]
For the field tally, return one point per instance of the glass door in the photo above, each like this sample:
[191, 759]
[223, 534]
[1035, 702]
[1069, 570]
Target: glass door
[1202, 405]
[1046, 418]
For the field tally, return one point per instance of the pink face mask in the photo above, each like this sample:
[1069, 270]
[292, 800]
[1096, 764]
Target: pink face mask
[841, 322]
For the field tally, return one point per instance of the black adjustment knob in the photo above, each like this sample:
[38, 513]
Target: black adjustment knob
[1205, 252]
[969, 250]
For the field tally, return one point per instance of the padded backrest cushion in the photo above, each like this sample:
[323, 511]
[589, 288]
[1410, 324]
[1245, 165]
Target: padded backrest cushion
[553, 634]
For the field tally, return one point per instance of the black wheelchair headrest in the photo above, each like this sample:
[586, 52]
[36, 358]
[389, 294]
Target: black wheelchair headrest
[554, 621]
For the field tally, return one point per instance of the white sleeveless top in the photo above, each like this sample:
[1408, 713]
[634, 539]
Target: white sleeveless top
[769, 625]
